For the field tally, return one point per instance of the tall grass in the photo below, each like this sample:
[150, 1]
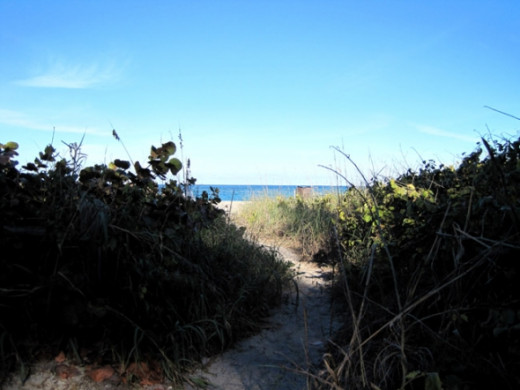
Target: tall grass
[303, 224]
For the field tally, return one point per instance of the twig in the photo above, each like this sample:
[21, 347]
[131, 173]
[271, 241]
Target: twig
[502, 112]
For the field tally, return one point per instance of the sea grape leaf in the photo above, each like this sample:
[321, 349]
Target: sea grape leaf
[11, 145]
[31, 167]
[87, 174]
[142, 172]
[175, 165]
[169, 148]
[160, 168]
[162, 153]
[123, 164]
[153, 152]
[47, 155]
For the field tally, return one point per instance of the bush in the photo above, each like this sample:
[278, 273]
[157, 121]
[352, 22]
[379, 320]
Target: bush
[430, 265]
[106, 257]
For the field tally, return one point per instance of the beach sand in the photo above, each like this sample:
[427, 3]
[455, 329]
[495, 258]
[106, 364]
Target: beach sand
[231, 207]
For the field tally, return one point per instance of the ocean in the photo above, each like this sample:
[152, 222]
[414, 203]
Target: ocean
[228, 192]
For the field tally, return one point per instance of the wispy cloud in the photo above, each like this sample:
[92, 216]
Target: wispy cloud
[443, 133]
[19, 119]
[73, 76]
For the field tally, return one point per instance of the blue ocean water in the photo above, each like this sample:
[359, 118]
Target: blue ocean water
[228, 192]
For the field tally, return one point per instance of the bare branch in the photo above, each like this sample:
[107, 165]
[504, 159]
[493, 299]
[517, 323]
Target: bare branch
[502, 112]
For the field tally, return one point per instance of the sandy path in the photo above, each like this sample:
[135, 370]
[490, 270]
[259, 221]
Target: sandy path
[269, 359]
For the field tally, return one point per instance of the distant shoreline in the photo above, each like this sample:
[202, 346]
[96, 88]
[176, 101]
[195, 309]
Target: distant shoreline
[239, 192]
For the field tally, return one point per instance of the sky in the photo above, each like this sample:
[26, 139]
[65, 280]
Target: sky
[261, 91]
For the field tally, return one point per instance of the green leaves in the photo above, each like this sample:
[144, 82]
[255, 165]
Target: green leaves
[122, 164]
[174, 165]
[164, 151]
[9, 146]
[161, 162]
[7, 152]
[48, 154]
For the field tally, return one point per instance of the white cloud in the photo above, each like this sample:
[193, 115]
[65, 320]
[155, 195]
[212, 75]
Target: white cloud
[443, 133]
[60, 75]
[18, 119]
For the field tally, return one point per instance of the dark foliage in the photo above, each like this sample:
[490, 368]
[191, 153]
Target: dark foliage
[431, 261]
[105, 257]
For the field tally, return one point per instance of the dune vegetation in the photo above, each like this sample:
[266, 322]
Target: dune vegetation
[105, 265]
[427, 265]
[102, 263]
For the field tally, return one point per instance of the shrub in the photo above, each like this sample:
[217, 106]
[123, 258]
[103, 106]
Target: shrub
[105, 256]
[429, 263]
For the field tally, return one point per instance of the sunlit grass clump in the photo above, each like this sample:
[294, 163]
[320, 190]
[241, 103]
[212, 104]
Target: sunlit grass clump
[304, 224]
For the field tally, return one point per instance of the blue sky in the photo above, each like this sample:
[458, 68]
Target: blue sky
[261, 89]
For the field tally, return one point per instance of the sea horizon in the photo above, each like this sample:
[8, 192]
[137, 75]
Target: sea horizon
[245, 192]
